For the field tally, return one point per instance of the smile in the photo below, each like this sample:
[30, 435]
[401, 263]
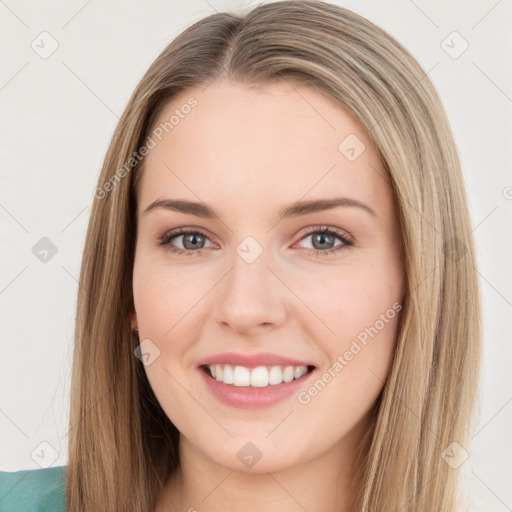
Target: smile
[259, 377]
[254, 388]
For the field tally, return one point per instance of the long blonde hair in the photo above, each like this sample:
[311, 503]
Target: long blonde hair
[122, 447]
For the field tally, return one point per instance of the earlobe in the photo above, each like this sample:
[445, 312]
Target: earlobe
[133, 321]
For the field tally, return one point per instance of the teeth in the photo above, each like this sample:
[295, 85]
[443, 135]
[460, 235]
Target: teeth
[259, 377]
[275, 376]
[241, 376]
[227, 377]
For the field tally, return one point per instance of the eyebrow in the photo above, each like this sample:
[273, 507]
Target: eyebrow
[294, 210]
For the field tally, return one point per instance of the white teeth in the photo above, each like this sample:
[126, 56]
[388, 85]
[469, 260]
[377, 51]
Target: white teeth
[259, 377]
[241, 376]
[228, 377]
[275, 375]
[288, 374]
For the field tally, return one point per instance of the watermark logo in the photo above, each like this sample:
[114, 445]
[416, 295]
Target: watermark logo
[454, 45]
[44, 250]
[147, 352]
[455, 250]
[45, 45]
[455, 455]
[44, 454]
[351, 147]
[249, 454]
[249, 249]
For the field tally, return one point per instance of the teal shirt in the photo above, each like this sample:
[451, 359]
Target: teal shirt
[33, 490]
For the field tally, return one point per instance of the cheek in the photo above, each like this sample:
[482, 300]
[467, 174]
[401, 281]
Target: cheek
[165, 299]
[348, 386]
[345, 303]
[166, 302]
[359, 306]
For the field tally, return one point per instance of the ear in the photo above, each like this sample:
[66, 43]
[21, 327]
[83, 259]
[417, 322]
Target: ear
[133, 321]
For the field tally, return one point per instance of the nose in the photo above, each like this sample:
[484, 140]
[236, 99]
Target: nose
[250, 298]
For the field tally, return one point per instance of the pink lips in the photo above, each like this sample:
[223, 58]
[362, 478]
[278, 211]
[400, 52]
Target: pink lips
[253, 397]
[251, 360]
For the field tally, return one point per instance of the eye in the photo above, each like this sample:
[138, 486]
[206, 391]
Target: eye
[323, 240]
[193, 241]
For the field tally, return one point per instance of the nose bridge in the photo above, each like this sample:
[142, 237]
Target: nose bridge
[251, 295]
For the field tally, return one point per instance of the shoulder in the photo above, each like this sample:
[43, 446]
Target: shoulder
[33, 490]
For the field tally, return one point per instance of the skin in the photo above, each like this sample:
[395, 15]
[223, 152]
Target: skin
[248, 152]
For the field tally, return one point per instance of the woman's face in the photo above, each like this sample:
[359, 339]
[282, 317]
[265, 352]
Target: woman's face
[258, 277]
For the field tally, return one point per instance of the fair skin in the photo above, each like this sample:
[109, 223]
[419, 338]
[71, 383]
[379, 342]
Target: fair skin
[248, 152]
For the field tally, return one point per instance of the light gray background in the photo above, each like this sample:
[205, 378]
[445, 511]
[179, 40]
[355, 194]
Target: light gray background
[58, 114]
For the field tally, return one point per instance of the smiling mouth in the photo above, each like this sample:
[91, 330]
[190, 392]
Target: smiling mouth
[259, 377]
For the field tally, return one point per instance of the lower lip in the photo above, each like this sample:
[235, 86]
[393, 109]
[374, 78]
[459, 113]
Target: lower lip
[253, 397]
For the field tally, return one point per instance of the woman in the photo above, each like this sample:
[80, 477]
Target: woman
[278, 307]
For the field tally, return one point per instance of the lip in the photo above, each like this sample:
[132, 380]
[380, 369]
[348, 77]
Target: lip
[253, 397]
[252, 360]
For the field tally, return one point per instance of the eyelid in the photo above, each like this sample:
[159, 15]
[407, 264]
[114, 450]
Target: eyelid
[176, 233]
[331, 229]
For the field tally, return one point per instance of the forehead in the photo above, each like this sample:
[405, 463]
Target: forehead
[258, 146]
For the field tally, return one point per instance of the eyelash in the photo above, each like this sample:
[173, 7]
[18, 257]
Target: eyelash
[166, 239]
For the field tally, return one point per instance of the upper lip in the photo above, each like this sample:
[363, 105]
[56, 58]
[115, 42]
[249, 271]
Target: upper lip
[252, 360]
